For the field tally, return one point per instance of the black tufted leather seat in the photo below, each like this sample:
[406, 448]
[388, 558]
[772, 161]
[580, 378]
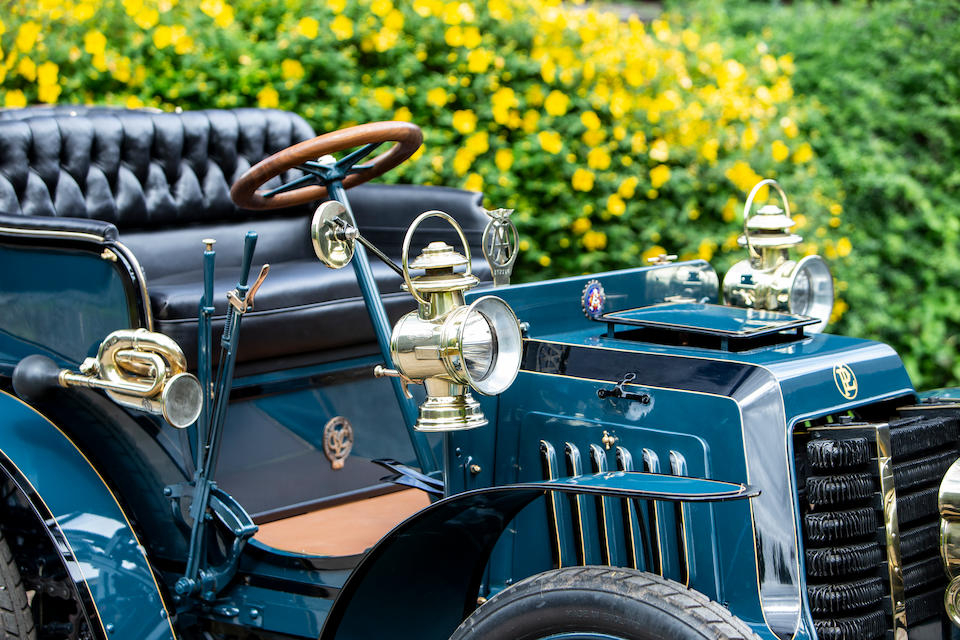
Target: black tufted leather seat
[159, 183]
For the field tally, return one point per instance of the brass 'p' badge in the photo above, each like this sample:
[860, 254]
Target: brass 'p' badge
[500, 245]
[846, 381]
[337, 441]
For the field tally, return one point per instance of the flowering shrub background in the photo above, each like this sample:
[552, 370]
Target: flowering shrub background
[614, 140]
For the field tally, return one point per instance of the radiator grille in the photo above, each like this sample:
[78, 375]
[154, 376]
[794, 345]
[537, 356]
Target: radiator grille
[848, 562]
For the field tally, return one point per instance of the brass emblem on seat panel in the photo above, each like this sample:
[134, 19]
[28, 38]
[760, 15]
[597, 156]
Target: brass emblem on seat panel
[846, 381]
[337, 441]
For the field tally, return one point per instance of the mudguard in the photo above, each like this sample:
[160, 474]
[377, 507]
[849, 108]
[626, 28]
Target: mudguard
[95, 539]
[422, 578]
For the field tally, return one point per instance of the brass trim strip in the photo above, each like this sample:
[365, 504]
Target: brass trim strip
[575, 468]
[548, 457]
[678, 466]
[888, 493]
[630, 518]
[52, 233]
[606, 523]
[141, 280]
[651, 464]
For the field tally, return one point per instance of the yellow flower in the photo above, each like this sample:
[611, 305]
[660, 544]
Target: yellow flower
[337, 6]
[659, 175]
[94, 43]
[268, 98]
[789, 127]
[660, 150]
[27, 68]
[437, 97]
[478, 143]
[27, 35]
[580, 225]
[472, 38]
[804, 153]
[394, 20]
[501, 102]
[14, 98]
[729, 210]
[292, 70]
[503, 159]
[308, 27]
[403, 114]
[47, 74]
[779, 151]
[464, 121]
[550, 141]
[582, 180]
[381, 7]
[590, 120]
[741, 175]
[844, 247]
[544, 260]
[48, 93]
[342, 27]
[147, 18]
[556, 103]
[834, 222]
[531, 120]
[453, 36]
[83, 11]
[598, 159]
[162, 37]
[478, 60]
[706, 249]
[593, 138]
[709, 150]
[384, 97]
[133, 102]
[534, 95]
[749, 138]
[836, 209]
[593, 240]
[616, 205]
[462, 161]
[474, 182]
[628, 187]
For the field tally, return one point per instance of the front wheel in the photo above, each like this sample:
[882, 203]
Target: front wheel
[601, 603]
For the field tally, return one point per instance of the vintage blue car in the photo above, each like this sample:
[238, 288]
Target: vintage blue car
[411, 447]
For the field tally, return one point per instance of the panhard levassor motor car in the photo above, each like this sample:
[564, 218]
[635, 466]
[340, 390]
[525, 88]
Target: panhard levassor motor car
[244, 395]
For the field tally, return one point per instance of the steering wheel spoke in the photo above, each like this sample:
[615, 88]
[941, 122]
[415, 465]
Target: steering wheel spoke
[358, 168]
[290, 186]
[348, 161]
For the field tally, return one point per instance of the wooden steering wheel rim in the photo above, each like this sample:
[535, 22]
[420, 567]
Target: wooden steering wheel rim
[247, 194]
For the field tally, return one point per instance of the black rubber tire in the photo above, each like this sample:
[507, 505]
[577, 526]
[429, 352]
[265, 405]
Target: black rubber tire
[622, 603]
[16, 618]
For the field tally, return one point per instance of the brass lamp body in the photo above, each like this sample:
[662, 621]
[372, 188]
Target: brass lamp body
[948, 501]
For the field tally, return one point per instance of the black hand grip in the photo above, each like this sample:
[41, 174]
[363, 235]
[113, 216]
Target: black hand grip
[35, 376]
[249, 245]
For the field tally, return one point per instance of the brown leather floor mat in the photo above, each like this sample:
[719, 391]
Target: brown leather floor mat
[346, 529]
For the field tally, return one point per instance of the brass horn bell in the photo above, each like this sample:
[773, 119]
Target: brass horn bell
[142, 370]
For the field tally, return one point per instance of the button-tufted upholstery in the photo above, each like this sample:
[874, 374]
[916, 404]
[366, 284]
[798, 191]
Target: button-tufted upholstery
[160, 182]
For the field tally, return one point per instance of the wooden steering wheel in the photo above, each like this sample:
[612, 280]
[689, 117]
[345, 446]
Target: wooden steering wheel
[320, 172]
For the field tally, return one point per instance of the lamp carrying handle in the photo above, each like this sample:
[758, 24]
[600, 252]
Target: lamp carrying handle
[749, 206]
[405, 255]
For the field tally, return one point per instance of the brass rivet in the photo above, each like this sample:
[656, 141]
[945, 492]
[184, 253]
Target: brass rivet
[475, 469]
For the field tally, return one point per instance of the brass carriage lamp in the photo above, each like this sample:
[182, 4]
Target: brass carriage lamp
[449, 346]
[446, 345]
[769, 279]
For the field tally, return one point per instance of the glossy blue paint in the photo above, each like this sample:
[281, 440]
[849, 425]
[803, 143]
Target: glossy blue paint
[59, 302]
[708, 318]
[101, 545]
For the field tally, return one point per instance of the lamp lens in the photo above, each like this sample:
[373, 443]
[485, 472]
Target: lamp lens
[479, 346]
[491, 345]
[811, 292]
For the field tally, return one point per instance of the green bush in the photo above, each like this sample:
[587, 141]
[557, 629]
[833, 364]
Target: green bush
[613, 139]
[885, 83]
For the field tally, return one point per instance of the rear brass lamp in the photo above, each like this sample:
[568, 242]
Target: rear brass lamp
[446, 345]
[769, 279]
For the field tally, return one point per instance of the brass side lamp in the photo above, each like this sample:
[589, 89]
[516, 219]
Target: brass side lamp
[769, 279]
[446, 345]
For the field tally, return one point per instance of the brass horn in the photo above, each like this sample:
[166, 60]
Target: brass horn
[142, 370]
